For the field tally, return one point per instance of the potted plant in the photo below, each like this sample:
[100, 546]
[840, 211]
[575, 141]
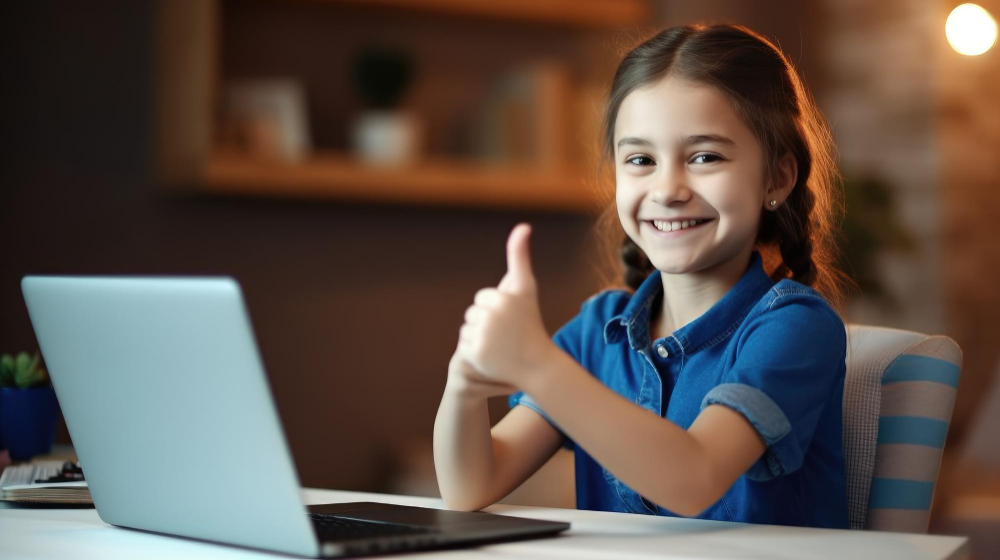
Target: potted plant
[871, 226]
[384, 133]
[28, 407]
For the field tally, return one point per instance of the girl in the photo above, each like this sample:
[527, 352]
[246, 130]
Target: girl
[714, 389]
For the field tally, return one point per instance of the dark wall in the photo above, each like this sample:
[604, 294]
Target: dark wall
[356, 307]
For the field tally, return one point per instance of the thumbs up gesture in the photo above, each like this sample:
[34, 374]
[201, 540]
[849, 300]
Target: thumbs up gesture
[520, 278]
[504, 337]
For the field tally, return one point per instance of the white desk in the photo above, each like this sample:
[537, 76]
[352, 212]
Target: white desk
[81, 535]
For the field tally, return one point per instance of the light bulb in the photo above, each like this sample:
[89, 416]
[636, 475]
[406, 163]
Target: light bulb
[970, 29]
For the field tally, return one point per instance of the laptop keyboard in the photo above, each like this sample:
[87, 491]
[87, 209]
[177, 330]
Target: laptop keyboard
[333, 527]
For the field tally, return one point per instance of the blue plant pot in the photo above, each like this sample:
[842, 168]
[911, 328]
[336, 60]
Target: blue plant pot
[28, 421]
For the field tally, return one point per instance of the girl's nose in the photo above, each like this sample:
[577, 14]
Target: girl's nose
[671, 188]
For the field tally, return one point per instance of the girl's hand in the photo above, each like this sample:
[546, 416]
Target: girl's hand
[504, 337]
[465, 381]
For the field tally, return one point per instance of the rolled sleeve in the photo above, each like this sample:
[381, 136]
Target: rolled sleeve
[790, 360]
[783, 454]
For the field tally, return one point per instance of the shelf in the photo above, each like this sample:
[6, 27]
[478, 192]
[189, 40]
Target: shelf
[433, 182]
[191, 78]
[583, 13]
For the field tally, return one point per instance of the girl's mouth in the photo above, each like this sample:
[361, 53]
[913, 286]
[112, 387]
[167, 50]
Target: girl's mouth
[674, 228]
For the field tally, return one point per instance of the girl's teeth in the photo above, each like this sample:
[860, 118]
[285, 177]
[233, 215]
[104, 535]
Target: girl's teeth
[674, 226]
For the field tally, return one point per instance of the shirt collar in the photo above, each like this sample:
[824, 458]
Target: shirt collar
[722, 317]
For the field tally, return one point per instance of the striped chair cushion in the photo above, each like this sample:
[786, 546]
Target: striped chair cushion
[898, 399]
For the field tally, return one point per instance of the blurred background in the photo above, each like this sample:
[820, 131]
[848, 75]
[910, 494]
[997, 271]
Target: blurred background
[357, 165]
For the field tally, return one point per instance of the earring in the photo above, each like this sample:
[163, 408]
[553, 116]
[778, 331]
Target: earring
[774, 203]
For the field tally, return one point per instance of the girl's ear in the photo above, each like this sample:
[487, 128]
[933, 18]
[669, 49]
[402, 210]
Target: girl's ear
[783, 183]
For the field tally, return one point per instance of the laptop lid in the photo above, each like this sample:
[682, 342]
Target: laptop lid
[150, 372]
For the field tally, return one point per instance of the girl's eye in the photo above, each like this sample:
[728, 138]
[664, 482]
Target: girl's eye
[639, 160]
[706, 158]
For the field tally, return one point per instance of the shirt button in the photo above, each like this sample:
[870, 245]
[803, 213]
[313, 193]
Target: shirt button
[662, 351]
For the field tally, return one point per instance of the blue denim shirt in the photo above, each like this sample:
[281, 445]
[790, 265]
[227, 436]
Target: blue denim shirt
[774, 352]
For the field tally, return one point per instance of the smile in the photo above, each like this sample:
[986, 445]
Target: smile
[673, 228]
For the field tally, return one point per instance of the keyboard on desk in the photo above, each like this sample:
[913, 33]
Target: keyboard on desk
[335, 528]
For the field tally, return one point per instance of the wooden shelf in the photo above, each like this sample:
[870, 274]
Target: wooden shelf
[190, 80]
[433, 182]
[583, 13]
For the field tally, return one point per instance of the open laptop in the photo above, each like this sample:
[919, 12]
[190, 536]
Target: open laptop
[164, 394]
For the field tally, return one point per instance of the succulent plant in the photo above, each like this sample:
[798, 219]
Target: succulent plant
[22, 371]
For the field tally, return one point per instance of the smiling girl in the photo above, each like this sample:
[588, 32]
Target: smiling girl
[713, 388]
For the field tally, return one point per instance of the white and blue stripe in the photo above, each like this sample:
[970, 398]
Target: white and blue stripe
[898, 400]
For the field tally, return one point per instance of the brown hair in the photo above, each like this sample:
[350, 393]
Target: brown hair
[799, 239]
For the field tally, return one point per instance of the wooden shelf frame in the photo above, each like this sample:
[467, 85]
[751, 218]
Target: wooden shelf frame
[432, 182]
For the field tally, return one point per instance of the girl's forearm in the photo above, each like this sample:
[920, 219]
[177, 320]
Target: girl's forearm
[650, 454]
[463, 451]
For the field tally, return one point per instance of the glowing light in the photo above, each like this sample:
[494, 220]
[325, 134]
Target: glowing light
[971, 30]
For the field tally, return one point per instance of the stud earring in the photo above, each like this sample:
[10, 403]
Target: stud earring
[774, 203]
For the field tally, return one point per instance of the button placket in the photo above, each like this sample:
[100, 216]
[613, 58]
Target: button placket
[664, 350]
[650, 387]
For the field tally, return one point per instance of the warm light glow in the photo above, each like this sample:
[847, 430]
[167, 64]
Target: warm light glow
[970, 29]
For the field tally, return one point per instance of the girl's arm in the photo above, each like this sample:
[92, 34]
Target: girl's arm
[475, 467]
[504, 338]
[685, 471]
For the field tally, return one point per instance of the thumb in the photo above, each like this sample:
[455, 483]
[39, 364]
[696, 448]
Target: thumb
[520, 279]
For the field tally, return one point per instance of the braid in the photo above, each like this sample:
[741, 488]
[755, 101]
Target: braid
[795, 237]
[637, 264]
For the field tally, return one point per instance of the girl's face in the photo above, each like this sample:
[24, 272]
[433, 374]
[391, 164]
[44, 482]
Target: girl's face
[682, 155]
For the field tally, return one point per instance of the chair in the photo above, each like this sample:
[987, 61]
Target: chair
[898, 398]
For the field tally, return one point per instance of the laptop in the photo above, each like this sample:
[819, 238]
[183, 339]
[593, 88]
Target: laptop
[163, 391]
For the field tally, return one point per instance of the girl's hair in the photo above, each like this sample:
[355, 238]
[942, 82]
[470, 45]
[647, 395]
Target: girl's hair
[798, 240]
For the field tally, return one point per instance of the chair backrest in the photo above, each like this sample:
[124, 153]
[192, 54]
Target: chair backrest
[898, 399]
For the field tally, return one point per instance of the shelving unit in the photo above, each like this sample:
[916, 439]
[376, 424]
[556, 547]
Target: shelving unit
[193, 69]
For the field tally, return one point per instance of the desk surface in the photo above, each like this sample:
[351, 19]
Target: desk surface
[81, 535]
